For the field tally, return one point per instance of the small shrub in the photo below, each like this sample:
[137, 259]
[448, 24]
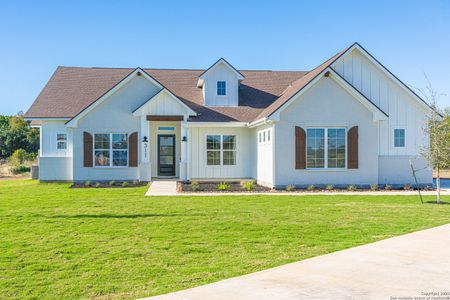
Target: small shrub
[388, 187]
[112, 183]
[195, 186]
[329, 187]
[290, 188]
[135, 182]
[351, 187]
[249, 185]
[19, 169]
[407, 187]
[98, 184]
[125, 184]
[311, 187]
[87, 183]
[428, 188]
[223, 186]
[374, 187]
[18, 157]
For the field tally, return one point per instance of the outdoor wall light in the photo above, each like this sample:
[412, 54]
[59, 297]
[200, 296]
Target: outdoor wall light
[145, 140]
[184, 139]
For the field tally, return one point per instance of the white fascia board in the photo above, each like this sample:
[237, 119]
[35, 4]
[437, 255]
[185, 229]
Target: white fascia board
[74, 121]
[217, 124]
[378, 115]
[259, 122]
[139, 110]
[391, 76]
[46, 119]
[202, 77]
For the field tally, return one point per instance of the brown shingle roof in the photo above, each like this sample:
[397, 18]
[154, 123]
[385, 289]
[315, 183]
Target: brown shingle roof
[72, 89]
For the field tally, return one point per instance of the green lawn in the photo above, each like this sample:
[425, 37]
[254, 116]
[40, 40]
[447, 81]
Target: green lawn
[57, 242]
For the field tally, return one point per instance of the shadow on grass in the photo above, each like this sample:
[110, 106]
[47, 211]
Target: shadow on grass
[434, 202]
[114, 216]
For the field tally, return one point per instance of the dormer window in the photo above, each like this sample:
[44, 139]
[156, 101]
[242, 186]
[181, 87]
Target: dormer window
[221, 88]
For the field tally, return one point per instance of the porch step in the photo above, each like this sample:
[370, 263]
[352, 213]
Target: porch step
[162, 188]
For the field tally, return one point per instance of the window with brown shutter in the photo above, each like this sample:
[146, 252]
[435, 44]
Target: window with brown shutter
[352, 152]
[300, 148]
[87, 144]
[133, 150]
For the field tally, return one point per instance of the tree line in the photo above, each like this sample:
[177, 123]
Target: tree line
[16, 133]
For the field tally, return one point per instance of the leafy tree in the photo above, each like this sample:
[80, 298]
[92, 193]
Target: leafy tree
[15, 133]
[437, 128]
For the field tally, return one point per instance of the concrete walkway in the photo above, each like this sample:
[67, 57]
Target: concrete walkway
[162, 188]
[404, 266]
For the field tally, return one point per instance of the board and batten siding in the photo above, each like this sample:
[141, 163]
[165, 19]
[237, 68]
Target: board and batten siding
[114, 115]
[403, 110]
[265, 155]
[49, 131]
[244, 151]
[221, 73]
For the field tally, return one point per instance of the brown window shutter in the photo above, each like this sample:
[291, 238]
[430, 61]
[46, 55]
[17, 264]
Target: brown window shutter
[300, 148]
[352, 144]
[133, 150]
[87, 143]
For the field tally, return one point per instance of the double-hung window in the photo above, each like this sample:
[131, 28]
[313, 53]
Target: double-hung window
[325, 148]
[221, 88]
[399, 138]
[221, 150]
[111, 149]
[61, 141]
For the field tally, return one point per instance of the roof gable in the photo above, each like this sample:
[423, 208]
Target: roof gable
[202, 76]
[136, 72]
[175, 107]
[388, 73]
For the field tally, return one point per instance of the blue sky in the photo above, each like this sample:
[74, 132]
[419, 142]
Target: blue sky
[409, 37]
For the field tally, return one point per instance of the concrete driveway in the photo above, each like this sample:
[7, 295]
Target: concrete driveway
[412, 265]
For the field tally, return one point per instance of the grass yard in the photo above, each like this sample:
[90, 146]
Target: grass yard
[57, 242]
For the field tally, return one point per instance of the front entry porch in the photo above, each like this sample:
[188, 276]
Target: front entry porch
[164, 148]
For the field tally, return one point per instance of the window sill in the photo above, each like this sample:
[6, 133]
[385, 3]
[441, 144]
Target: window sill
[98, 167]
[327, 169]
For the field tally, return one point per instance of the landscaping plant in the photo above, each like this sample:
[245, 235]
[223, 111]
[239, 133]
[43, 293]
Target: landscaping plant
[374, 187]
[311, 187]
[195, 186]
[125, 184]
[351, 187]
[223, 187]
[329, 187]
[388, 187]
[249, 185]
[290, 188]
[112, 183]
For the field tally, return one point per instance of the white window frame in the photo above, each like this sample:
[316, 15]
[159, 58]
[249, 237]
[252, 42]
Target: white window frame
[217, 88]
[65, 142]
[404, 137]
[326, 168]
[221, 150]
[111, 150]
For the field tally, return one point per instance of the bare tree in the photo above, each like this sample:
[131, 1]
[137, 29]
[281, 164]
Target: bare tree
[437, 128]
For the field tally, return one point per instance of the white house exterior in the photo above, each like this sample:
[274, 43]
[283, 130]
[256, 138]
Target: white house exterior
[348, 121]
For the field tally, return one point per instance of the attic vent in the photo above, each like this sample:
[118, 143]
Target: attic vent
[138, 74]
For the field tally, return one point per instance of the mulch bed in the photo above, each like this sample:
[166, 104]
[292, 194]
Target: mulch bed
[118, 184]
[210, 186]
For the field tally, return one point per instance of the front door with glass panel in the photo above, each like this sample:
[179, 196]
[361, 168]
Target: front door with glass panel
[166, 155]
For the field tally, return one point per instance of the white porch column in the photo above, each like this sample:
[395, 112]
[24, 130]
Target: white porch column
[184, 165]
[144, 140]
